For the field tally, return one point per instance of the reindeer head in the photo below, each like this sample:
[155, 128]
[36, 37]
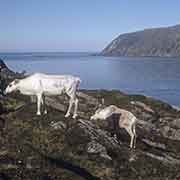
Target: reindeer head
[99, 108]
[12, 86]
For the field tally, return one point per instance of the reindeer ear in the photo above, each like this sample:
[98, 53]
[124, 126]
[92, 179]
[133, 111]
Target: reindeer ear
[100, 105]
[96, 106]
[102, 101]
[16, 81]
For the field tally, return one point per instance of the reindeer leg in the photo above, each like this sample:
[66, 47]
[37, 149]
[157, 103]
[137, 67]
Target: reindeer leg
[71, 101]
[39, 100]
[44, 103]
[75, 108]
[129, 130]
[132, 140]
[135, 136]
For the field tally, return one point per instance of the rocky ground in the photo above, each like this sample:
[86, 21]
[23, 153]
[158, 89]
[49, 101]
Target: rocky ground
[52, 147]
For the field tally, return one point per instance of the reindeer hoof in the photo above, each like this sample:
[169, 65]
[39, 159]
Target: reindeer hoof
[67, 115]
[38, 113]
[45, 111]
[75, 116]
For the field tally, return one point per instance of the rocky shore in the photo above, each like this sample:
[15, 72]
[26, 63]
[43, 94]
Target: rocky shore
[52, 147]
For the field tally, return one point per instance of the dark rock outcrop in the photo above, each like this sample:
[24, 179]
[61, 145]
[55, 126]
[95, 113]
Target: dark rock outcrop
[159, 42]
[38, 146]
[54, 147]
[7, 75]
[2, 65]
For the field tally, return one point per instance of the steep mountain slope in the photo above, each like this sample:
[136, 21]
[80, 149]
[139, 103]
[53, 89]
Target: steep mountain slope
[161, 42]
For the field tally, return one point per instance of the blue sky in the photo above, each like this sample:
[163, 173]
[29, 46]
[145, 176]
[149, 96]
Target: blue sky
[78, 25]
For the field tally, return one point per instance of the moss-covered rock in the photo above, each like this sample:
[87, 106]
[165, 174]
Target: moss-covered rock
[52, 147]
[32, 148]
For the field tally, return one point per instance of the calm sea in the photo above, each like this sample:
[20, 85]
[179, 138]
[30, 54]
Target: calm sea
[157, 77]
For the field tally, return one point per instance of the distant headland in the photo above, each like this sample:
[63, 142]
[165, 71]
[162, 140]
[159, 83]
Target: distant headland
[155, 42]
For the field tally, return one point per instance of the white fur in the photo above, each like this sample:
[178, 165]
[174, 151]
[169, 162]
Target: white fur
[42, 85]
[127, 120]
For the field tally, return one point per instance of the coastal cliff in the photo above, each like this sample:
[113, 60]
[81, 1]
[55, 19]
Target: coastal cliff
[51, 147]
[155, 42]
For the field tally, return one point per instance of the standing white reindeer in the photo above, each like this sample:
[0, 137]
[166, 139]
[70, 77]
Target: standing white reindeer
[42, 85]
[126, 120]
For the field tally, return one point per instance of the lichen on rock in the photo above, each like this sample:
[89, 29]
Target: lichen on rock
[54, 147]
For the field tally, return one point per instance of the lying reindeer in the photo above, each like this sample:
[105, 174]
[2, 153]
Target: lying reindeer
[42, 85]
[126, 120]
